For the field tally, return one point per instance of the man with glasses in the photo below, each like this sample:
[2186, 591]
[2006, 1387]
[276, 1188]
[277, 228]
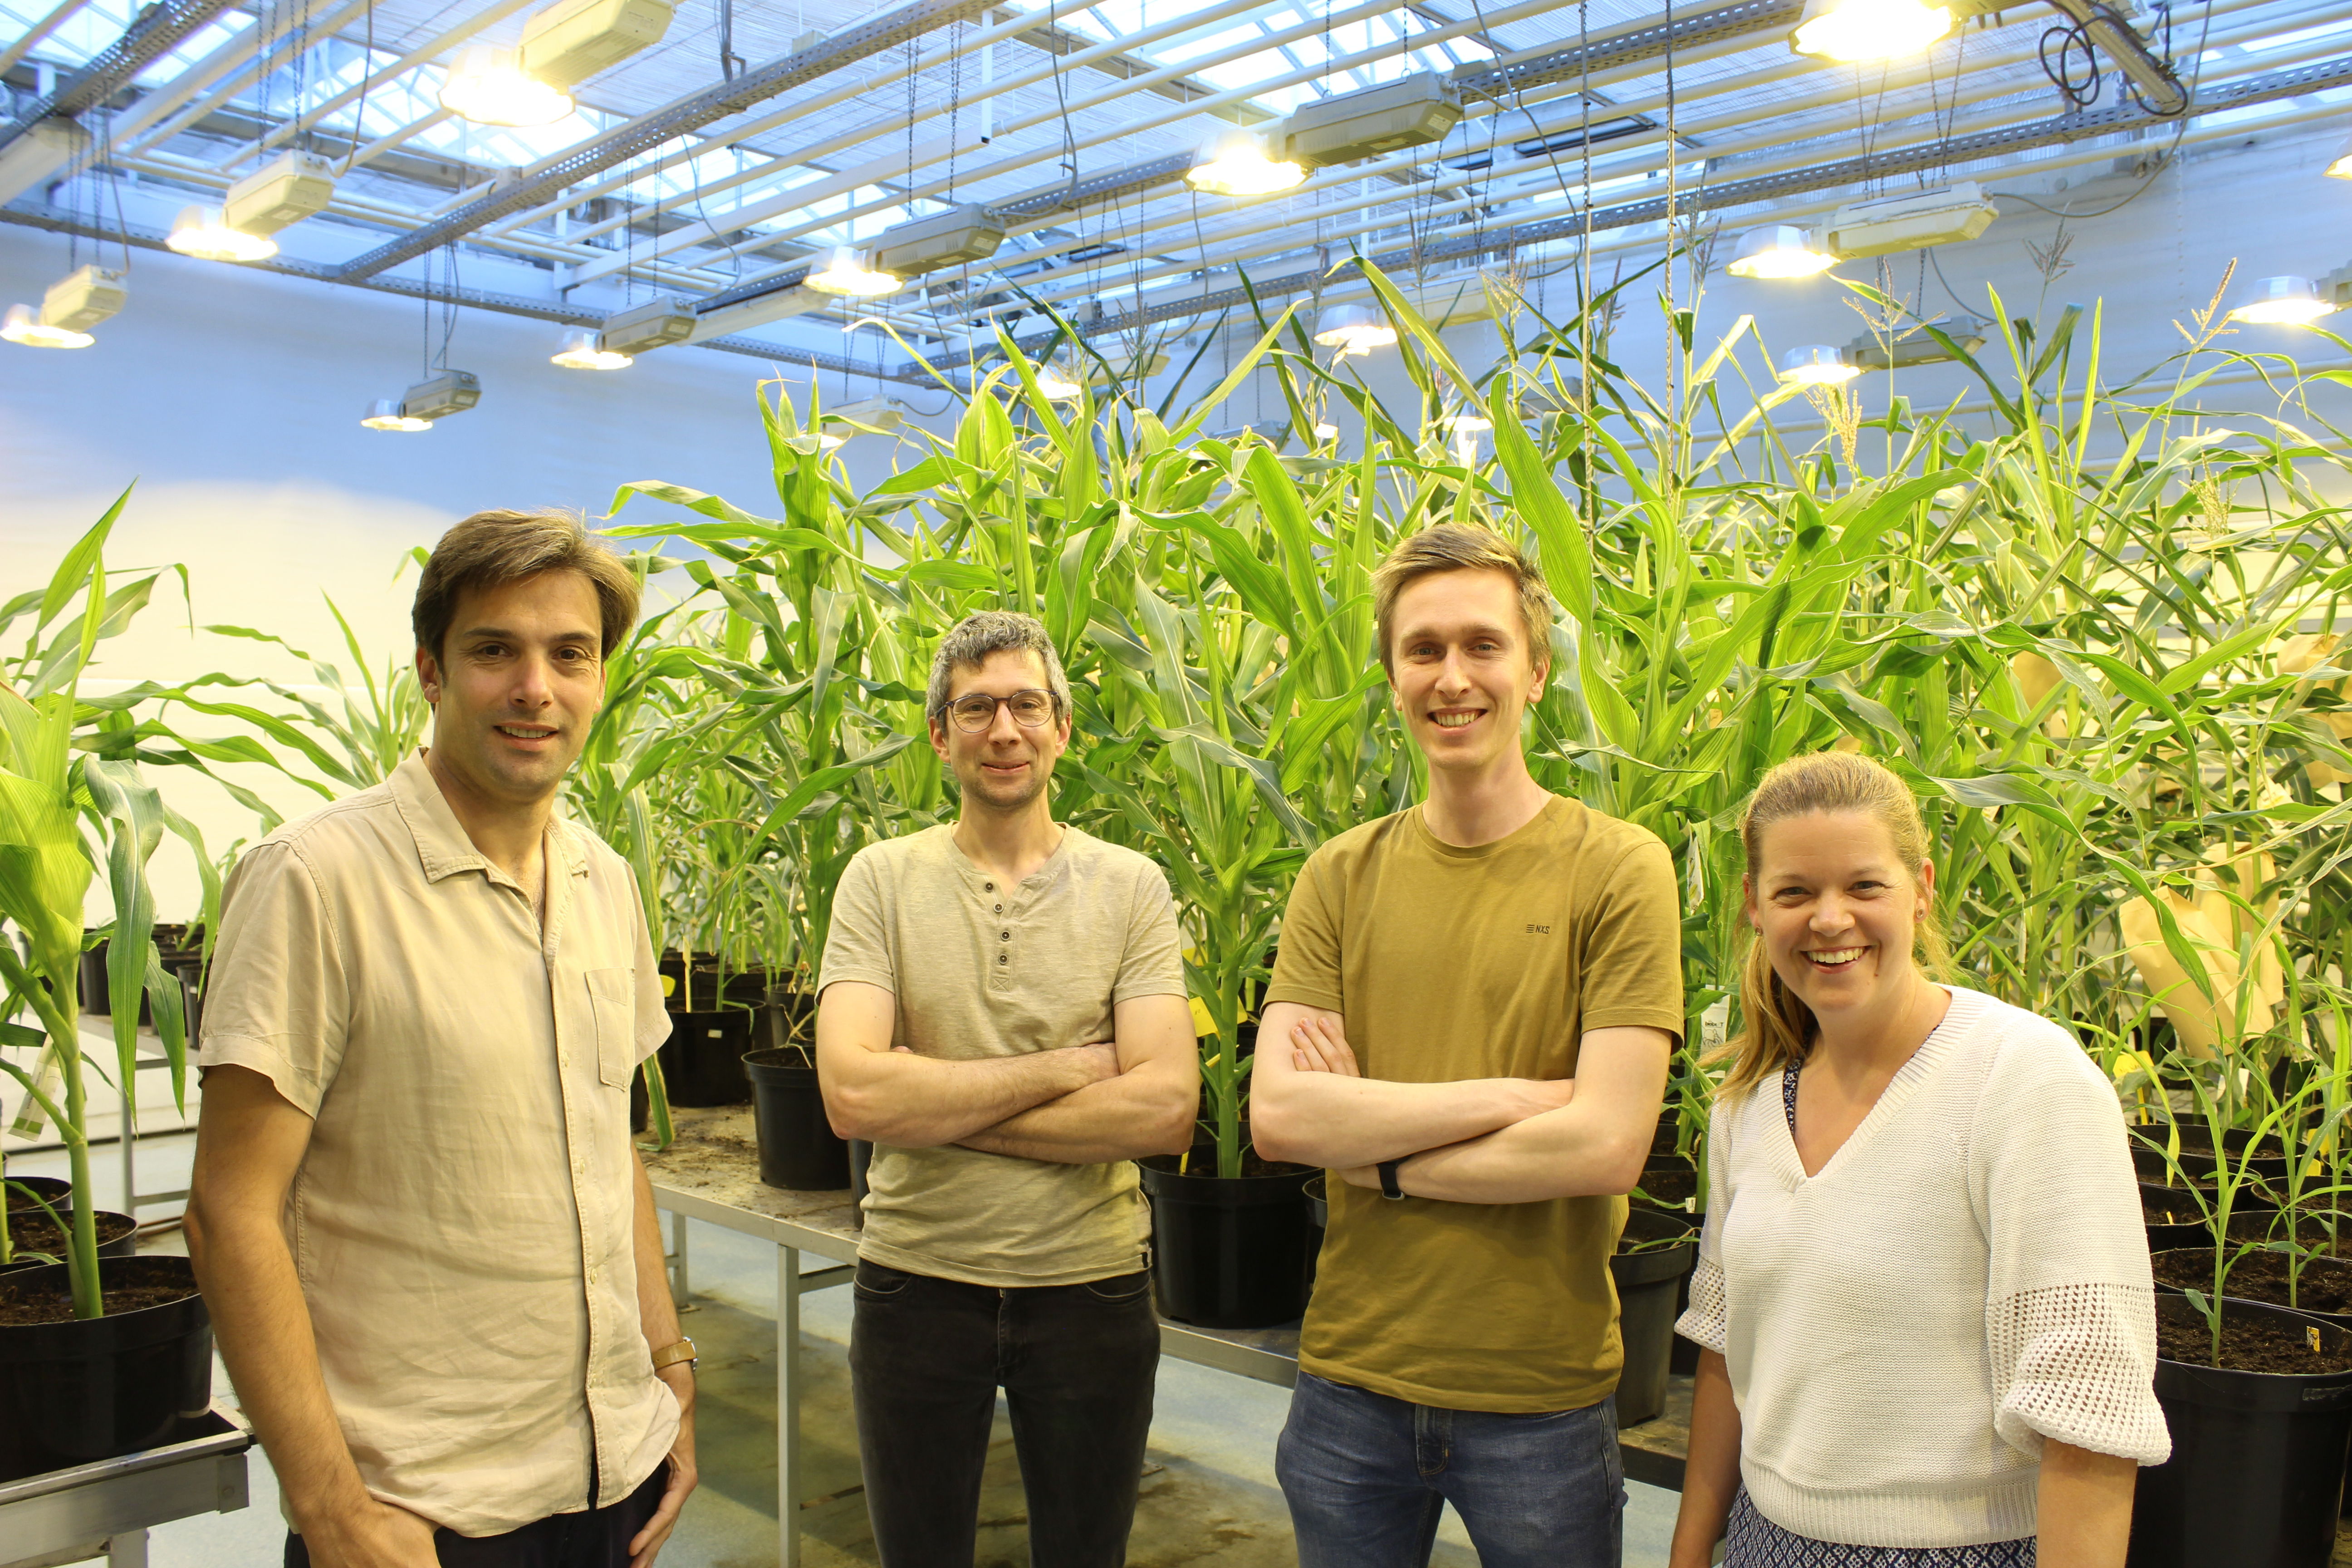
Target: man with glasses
[1002, 1012]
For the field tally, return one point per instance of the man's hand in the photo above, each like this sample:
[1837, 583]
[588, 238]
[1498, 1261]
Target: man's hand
[1318, 1044]
[647, 1545]
[374, 1535]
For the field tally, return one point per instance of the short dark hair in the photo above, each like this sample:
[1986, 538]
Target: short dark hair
[1460, 547]
[491, 549]
[970, 642]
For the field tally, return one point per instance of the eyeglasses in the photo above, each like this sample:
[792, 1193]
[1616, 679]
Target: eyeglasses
[1031, 709]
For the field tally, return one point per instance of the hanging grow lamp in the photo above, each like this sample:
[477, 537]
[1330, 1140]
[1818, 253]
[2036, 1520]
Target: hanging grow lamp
[1780, 250]
[1853, 31]
[204, 232]
[488, 86]
[1240, 166]
[845, 272]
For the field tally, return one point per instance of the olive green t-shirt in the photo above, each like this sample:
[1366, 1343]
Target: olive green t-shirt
[981, 967]
[1491, 961]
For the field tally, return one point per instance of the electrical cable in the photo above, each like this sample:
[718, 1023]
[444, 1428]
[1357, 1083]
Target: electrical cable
[367, 79]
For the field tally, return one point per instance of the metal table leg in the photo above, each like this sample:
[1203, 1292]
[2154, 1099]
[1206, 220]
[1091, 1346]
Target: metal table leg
[788, 1406]
[128, 1549]
[677, 1259]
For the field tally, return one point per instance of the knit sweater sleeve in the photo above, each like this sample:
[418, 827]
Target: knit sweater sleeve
[2070, 1307]
[1708, 1320]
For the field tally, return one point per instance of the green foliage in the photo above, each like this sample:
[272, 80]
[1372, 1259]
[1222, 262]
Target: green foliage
[74, 804]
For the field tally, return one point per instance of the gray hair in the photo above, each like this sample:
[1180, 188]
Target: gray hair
[968, 645]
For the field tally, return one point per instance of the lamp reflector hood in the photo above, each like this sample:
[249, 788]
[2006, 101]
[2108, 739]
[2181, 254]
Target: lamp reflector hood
[204, 232]
[1780, 250]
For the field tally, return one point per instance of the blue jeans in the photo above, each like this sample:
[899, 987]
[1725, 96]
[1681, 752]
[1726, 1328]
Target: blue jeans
[1366, 1476]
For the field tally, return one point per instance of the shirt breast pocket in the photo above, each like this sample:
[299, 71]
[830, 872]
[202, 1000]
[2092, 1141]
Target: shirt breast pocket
[612, 998]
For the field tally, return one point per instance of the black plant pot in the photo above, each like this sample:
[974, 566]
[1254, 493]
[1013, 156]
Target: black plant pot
[798, 1147]
[1666, 1183]
[2256, 1475]
[125, 1243]
[170, 944]
[1228, 1252]
[2196, 1156]
[1662, 1142]
[2329, 1271]
[702, 1061]
[74, 1392]
[1646, 1294]
[54, 1191]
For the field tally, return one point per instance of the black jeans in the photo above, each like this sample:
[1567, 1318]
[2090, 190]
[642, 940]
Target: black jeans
[1077, 1363]
[596, 1538]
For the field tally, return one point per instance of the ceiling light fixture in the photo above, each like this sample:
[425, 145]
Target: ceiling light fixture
[1780, 250]
[1465, 424]
[451, 392]
[1058, 386]
[78, 302]
[582, 350]
[664, 318]
[1326, 431]
[2286, 300]
[956, 238]
[1817, 364]
[487, 86]
[1917, 346]
[1852, 31]
[1945, 216]
[1411, 112]
[2340, 166]
[1240, 166]
[203, 232]
[844, 272]
[23, 324]
[867, 415]
[385, 413]
[1353, 330]
[572, 40]
[287, 189]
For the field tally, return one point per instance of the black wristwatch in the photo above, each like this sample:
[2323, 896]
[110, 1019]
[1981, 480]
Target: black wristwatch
[1389, 1188]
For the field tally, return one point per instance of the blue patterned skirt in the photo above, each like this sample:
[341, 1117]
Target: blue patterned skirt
[1751, 1540]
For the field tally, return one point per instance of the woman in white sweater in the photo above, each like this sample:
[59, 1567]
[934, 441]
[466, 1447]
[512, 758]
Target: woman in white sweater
[1923, 1290]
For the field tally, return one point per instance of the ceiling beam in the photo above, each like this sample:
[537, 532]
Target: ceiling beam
[643, 135]
[152, 34]
[2054, 131]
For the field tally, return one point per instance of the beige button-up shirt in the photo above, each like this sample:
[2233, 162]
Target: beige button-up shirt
[462, 1222]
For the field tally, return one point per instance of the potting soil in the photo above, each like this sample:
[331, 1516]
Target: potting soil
[19, 1308]
[2248, 1345]
[2261, 1277]
[1669, 1189]
[30, 1231]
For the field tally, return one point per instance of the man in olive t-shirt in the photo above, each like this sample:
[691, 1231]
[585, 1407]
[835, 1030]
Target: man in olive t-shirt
[1469, 1023]
[1002, 1012]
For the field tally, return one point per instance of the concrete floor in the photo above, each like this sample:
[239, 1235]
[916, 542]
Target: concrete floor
[1209, 1498]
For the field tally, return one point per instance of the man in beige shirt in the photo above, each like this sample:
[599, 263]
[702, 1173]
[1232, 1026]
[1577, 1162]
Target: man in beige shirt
[1002, 1011]
[428, 1248]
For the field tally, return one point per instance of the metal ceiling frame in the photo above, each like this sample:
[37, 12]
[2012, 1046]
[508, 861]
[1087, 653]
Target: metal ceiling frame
[152, 34]
[1508, 86]
[2054, 131]
[644, 135]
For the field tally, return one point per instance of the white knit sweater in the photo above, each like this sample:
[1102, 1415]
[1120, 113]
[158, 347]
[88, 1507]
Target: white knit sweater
[1967, 1275]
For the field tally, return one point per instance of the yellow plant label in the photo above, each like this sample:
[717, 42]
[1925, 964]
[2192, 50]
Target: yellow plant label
[2312, 1330]
[1201, 1022]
